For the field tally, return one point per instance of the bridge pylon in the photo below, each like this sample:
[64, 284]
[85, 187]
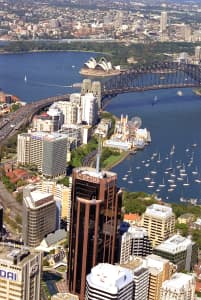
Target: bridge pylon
[94, 87]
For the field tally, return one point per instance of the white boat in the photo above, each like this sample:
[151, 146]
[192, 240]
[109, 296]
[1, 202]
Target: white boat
[150, 186]
[158, 190]
[186, 183]
[152, 182]
[159, 159]
[162, 184]
[170, 190]
[25, 78]
[173, 175]
[129, 171]
[130, 181]
[172, 150]
[153, 172]
[173, 185]
[198, 180]
[183, 174]
[124, 178]
[195, 172]
[194, 145]
[147, 178]
[180, 93]
[180, 178]
[138, 167]
[171, 180]
[147, 165]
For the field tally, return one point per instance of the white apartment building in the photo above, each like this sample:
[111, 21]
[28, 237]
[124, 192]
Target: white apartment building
[109, 282]
[47, 151]
[71, 111]
[159, 221]
[179, 287]
[89, 109]
[23, 148]
[134, 242]
[20, 273]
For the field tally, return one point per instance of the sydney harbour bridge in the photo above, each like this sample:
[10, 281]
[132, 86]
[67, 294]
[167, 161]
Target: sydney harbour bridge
[158, 75]
[154, 76]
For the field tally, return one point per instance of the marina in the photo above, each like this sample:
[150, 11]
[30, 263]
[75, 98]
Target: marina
[165, 177]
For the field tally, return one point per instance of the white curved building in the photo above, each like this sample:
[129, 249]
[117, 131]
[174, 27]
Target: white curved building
[102, 64]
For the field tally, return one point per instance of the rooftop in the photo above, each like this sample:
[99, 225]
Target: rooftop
[174, 244]
[178, 281]
[91, 172]
[160, 211]
[108, 277]
[9, 254]
[137, 232]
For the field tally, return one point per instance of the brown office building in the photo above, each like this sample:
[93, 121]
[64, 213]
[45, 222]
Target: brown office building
[95, 216]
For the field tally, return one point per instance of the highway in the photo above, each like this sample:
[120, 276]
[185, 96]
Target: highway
[12, 122]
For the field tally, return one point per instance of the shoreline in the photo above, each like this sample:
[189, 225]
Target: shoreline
[122, 158]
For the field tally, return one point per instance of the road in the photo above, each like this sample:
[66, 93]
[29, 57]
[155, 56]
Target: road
[12, 122]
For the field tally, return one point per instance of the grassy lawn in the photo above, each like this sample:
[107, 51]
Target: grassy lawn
[113, 159]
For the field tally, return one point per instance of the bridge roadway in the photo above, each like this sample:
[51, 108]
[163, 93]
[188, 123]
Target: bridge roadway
[112, 92]
[23, 116]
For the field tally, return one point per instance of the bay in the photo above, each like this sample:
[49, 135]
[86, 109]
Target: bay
[173, 120]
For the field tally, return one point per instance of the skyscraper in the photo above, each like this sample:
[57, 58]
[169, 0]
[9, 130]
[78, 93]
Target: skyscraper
[135, 242]
[39, 215]
[159, 221]
[95, 214]
[163, 21]
[46, 151]
[20, 273]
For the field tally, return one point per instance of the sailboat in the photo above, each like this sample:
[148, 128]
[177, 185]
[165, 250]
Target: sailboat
[186, 183]
[159, 159]
[163, 183]
[172, 150]
[25, 78]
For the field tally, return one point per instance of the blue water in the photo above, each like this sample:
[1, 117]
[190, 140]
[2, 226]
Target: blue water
[173, 120]
[48, 74]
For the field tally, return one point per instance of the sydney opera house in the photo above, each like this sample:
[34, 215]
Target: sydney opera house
[99, 68]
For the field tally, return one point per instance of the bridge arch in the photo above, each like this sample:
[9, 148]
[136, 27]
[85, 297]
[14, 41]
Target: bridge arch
[157, 75]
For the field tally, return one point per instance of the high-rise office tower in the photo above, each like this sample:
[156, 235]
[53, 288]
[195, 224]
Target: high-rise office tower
[109, 282]
[95, 215]
[39, 215]
[54, 155]
[46, 151]
[134, 242]
[20, 273]
[179, 287]
[89, 109]
[163, 21]
[159, 221]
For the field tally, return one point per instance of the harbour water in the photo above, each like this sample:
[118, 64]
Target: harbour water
[170, 166]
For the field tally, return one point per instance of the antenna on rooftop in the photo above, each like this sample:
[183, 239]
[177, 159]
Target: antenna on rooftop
[98, 155]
